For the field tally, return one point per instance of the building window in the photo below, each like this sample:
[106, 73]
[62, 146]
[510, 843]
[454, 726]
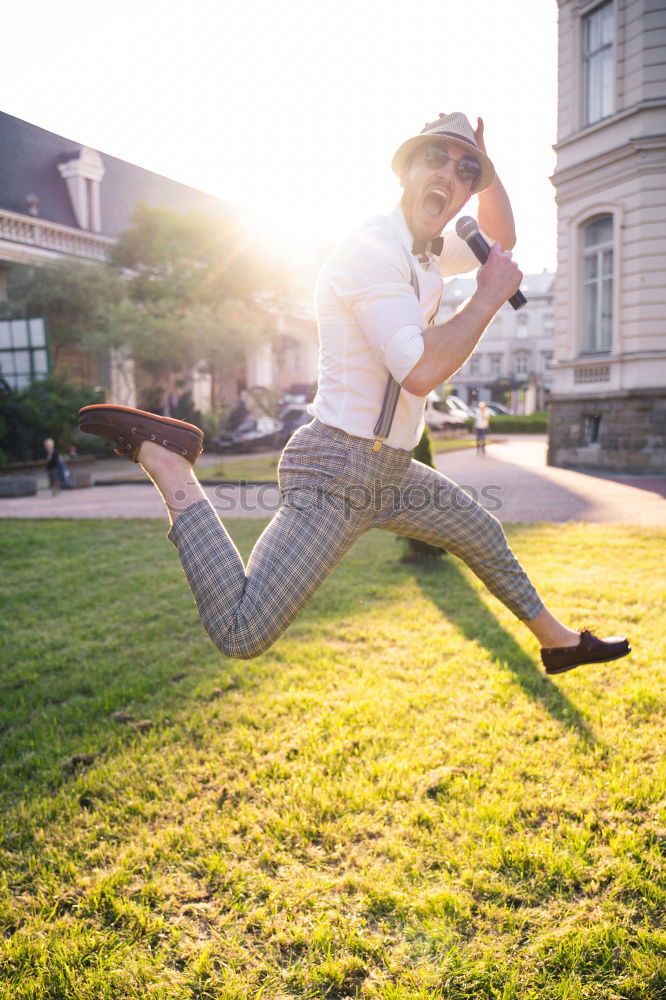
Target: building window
[598, 285]
[521, 363]
[495, 364]
[591, 430]
[598, 42]
[547, 360]
[522, 321]
[24, 354]
[475, 366]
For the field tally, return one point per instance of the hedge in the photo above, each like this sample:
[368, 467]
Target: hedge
[535, 423]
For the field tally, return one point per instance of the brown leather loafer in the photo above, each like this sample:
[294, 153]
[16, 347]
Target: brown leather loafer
[589, 650]
[128, 429]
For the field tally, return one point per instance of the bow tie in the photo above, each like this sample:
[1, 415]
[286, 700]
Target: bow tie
[428, 246]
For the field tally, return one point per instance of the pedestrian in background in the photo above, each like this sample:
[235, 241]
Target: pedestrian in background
[481, 425]
[58, 473]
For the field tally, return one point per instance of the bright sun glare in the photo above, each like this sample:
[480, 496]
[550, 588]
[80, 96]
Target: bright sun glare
[285, 229]
[292, 113]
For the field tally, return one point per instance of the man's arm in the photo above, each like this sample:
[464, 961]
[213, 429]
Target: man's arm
[495, 212]
[496, 215]
[448, 345]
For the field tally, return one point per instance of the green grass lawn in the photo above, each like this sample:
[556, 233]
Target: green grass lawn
[263, 465]
[394, 802]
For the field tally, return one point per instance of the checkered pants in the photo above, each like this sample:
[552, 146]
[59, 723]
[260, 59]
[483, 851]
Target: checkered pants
[333, 487]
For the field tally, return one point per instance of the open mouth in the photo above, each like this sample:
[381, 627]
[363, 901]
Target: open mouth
[435, 202]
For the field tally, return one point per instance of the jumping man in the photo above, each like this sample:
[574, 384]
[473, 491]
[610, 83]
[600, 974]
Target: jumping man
[351, 468]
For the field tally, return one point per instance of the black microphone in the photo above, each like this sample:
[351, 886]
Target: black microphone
[468, 230]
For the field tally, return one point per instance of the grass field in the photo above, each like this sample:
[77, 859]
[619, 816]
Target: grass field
[393, 803]
[263, 465]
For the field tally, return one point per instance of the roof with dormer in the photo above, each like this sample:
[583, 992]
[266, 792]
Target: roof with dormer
[29, 161]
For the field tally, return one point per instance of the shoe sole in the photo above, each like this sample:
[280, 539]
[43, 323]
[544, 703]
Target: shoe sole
[585, 663]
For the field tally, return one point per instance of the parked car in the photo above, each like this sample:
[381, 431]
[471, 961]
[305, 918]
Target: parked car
[498, 409]
[456, 403]
[441, 415]
[299, 393]
[253, 434]
[291, 417]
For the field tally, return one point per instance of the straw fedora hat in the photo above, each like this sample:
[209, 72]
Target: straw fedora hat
[455, 126]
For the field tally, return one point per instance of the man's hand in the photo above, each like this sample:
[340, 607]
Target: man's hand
[448, 345]
[478, 136]
[495, 215]
[498, 279]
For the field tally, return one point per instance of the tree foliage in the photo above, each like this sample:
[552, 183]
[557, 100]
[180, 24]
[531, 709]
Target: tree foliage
[194, 282]
[176, 291]
[187, 260]
[84, 301]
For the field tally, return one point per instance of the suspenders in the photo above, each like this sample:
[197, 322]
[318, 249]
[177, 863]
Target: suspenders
[392, 391]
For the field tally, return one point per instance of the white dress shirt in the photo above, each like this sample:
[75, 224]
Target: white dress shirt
[371, 323]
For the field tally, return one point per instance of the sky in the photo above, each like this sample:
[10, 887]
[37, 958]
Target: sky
[293, 110]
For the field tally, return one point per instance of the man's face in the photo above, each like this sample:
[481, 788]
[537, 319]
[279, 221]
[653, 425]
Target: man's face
[432, 194]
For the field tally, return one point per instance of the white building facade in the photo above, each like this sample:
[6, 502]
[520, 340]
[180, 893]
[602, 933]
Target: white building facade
[608, 404]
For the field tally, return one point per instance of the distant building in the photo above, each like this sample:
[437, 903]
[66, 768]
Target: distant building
[608, 404]
[512, 362]
[60, 199]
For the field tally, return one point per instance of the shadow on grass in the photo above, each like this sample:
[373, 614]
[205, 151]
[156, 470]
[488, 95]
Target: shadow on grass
[445, 584]
[100, 621]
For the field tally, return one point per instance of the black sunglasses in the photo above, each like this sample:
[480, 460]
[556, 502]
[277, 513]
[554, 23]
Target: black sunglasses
[467, 168]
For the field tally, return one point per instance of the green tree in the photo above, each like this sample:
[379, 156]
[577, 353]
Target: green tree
[417, 551]
[85, 302]
[177, 291]
[199, 289]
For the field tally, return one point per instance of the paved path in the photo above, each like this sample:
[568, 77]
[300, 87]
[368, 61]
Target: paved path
[527, 489]
[136, 500]
[512, 480]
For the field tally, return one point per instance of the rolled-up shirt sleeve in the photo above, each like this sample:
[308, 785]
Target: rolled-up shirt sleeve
[403, 350]
[376, 288]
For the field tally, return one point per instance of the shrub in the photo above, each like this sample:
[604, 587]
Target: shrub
[44, 409]
[535, 423]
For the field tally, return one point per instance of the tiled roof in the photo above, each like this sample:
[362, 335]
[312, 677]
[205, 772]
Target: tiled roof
[29, 158]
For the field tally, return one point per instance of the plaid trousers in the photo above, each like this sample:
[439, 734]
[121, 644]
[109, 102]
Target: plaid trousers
[333, 487]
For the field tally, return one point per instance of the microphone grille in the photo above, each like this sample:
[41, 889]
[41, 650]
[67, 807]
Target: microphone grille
[466, 227]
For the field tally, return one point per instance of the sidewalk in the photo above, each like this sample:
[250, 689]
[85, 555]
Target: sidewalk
[530, 490]
[512, 481]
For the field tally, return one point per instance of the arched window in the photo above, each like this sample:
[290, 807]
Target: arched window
[597, 285]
